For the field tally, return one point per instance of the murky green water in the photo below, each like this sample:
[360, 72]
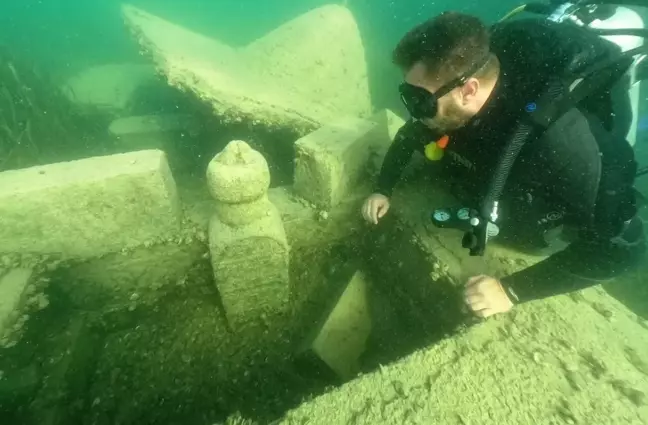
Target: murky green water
[139, 335]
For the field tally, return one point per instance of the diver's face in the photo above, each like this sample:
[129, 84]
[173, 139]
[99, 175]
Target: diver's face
[454, 108]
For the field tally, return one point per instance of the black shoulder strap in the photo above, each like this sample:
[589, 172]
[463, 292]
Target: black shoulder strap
[563, 95]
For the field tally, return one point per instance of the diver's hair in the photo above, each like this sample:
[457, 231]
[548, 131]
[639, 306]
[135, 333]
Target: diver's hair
[448, 45]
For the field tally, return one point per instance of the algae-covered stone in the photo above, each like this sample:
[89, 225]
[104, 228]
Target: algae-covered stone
[293, 76]
[238, 174]
[341, 337]
[109, 87]
[13, 295]
[331, 161]
[247, 240]
[88, 207]
[239, 178]
[515, 369]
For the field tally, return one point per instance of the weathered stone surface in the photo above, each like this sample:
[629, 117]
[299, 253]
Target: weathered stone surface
[293, 76]
[250, 267]
[557, 361]
[19, 383]
[331, 160]
[108, 87]
[308, 226]
[13, 295]
[567, 359]
[88, 207]
[340, 339]
[247, 240]
[67, 374]
[238, 174]
[132, 278]
[161, 131]
[146, 124]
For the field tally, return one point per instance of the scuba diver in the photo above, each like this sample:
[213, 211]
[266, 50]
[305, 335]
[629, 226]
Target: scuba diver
[539, 107]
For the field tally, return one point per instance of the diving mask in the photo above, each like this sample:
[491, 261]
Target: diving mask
[421, 103]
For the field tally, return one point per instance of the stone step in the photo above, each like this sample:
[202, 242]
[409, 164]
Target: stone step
[13, 298]
[88, 207]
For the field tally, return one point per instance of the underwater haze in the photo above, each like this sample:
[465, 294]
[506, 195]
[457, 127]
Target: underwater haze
[182, 239]
[69, 35]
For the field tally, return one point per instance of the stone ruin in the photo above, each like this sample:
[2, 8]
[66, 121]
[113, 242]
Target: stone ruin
[169, 290]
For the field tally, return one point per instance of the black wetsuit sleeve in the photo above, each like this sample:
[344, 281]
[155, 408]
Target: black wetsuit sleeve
[581, 265]
[409, 138]
[576, 180]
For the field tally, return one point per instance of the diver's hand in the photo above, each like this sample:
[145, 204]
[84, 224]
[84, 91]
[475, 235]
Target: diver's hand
[485, 296]
[375, 208]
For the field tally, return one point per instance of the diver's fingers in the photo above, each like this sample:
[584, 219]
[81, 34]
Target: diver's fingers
[484, 313]
[382, 209]
[474, 281]
[473, 290]
[373, 211]
[365, 211]
[478, 306]
[474, 299]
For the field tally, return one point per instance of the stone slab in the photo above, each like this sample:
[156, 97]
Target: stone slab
[109, 87]
[147, 124]
[133, 278]
[340, 339]
[308, 226]
[251, 267]
[292, 76]
[541, 363]
[88, 207]
[67, 374]
[13, 294]
[331, 160]
[558, 361]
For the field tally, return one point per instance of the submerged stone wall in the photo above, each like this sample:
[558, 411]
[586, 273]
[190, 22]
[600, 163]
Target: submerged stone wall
[88, 207]
[566, 360]
[290, 77]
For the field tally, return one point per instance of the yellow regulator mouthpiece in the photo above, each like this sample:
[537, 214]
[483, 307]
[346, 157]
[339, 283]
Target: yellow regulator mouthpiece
[434, 150]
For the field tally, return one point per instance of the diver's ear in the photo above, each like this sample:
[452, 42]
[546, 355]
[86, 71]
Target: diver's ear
[469, 90]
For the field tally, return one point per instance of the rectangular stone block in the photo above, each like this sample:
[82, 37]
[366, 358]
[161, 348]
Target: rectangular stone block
[13, 289]
[251, 267]
[332, 159]
[341, 336]
[88, 207]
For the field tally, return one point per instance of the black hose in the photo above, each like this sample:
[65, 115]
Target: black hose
[510, 154]
[503, 168]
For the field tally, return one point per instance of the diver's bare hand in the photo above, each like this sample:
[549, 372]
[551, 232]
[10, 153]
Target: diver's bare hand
[375, 208]
[485, 296]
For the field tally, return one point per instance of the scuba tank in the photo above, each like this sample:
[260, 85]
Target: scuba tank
[614, 20]
[618, 18]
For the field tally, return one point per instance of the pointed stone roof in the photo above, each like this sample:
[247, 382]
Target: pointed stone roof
[306, 72]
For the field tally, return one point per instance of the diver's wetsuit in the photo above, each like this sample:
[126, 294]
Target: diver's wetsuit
[578, 168]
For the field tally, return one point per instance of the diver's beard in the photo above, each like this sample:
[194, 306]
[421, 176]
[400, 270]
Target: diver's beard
[453, 119]
[446, 123]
